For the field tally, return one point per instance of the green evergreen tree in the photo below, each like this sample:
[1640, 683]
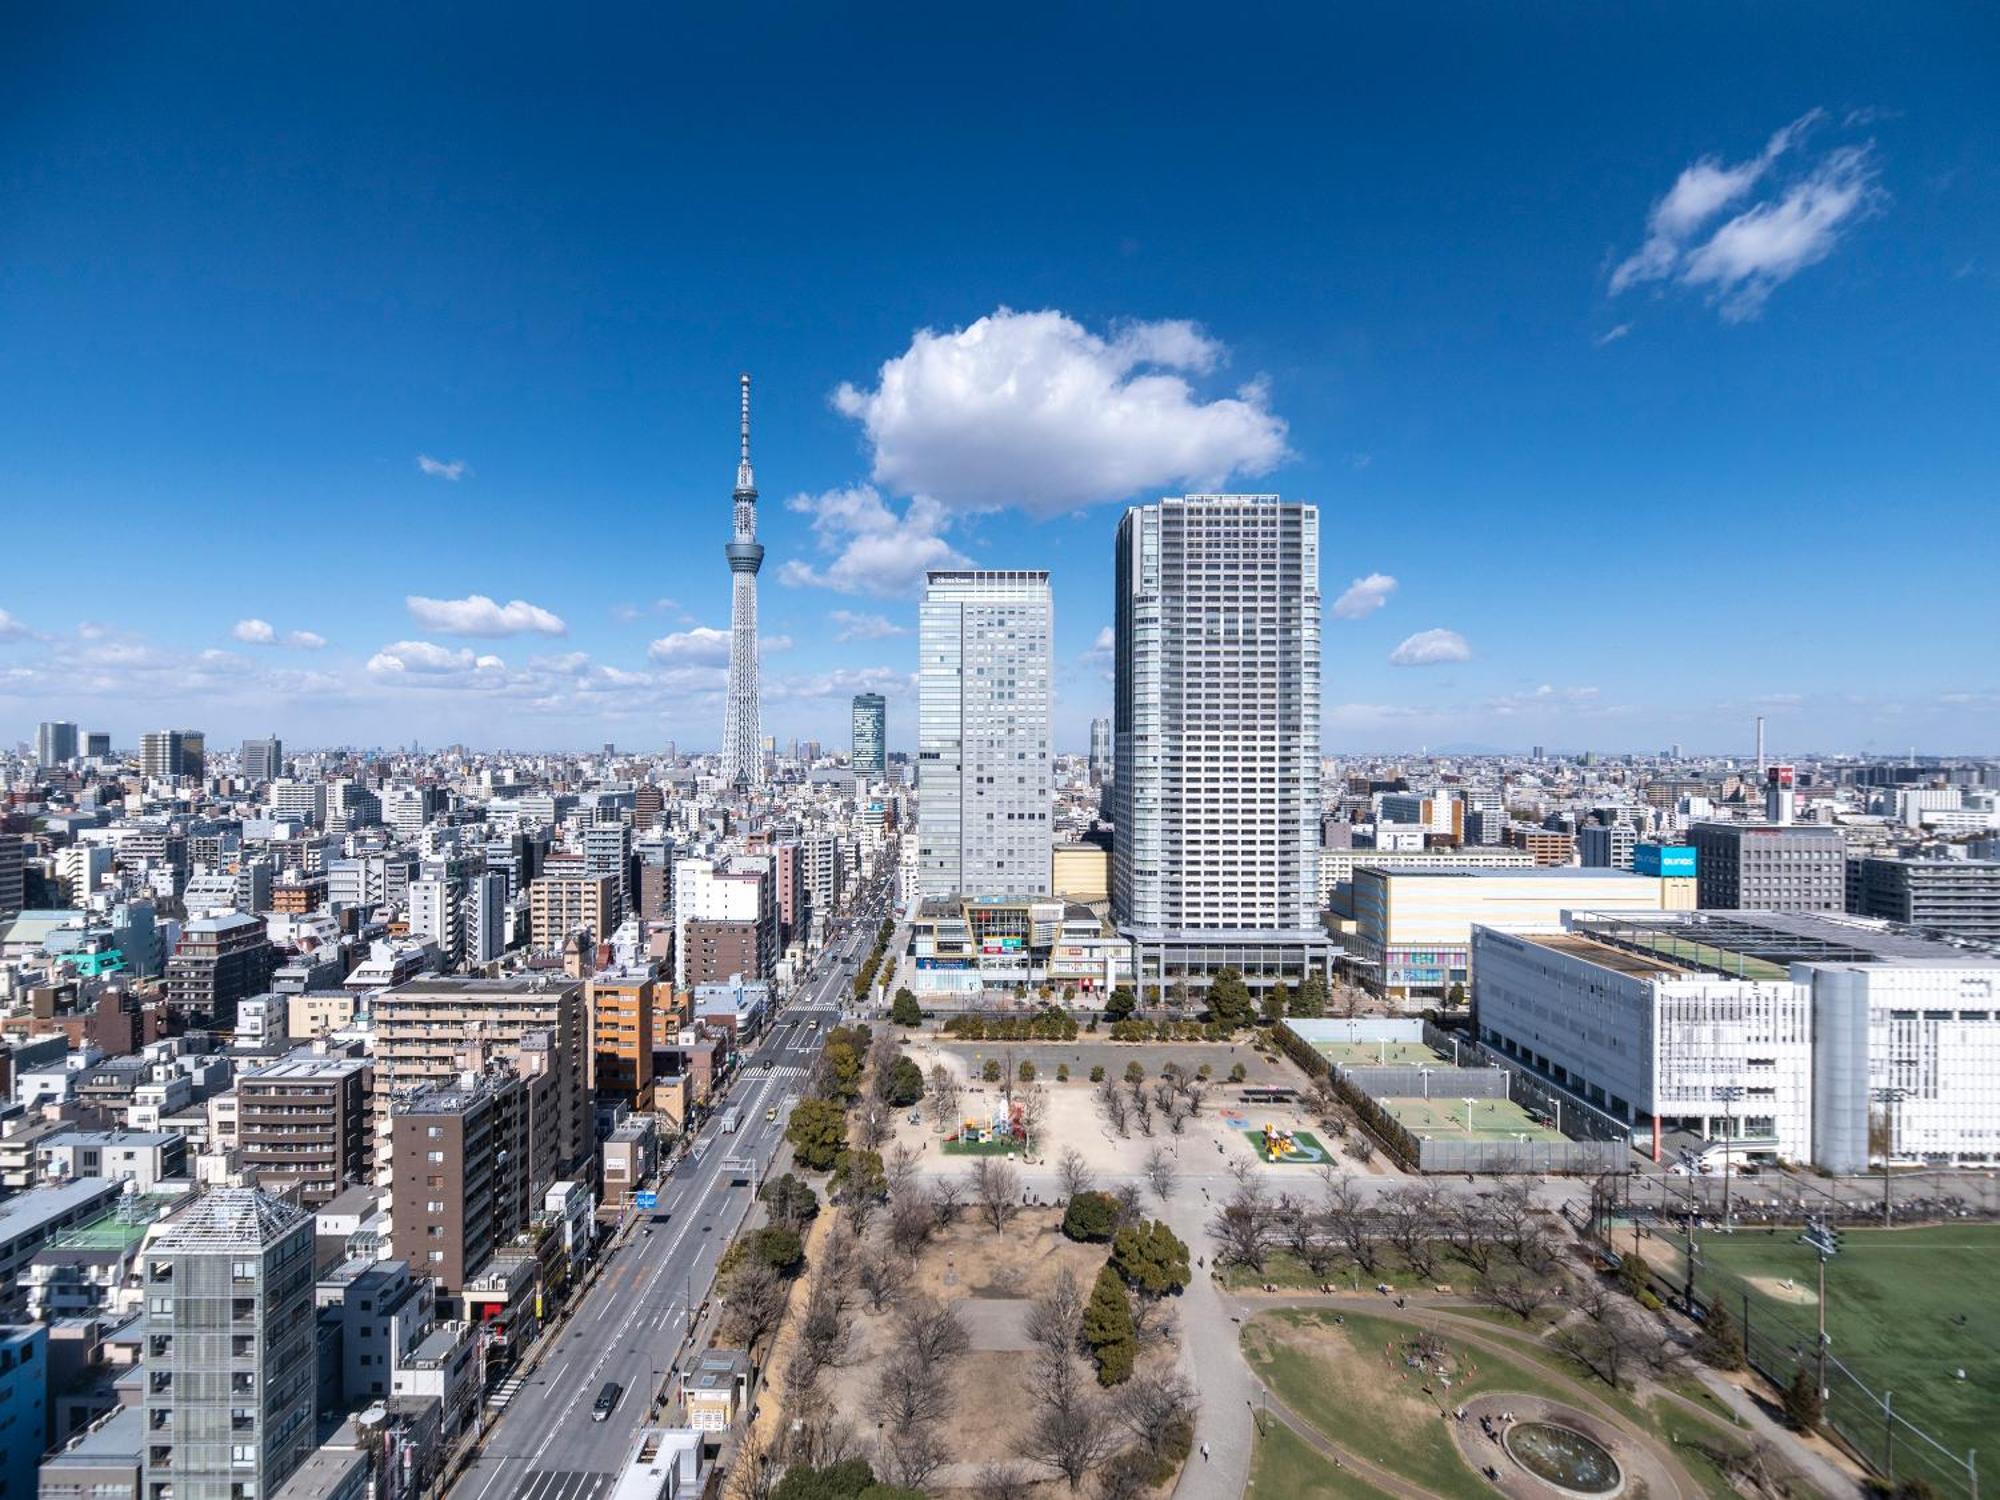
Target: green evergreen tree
[904, 1010]
[1108, 1329]
[1803, 1405]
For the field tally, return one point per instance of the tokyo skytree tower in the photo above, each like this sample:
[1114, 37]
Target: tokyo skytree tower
[742, 750]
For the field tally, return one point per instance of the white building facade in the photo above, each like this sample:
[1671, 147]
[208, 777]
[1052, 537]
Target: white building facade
[1216, 735]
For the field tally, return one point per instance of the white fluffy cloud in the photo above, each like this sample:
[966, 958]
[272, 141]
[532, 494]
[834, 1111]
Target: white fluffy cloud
[1756, 250]
[1031, 409]
[305, 640]
[478, 615]
[850, 626]
[254, 632]
[1364, 596]
[1428, 648]
[873, 550]
[703, 646]
[12, 628]
[439, 468]
[400, 658]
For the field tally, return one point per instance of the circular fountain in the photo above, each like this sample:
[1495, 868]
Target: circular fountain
[1565, 1458]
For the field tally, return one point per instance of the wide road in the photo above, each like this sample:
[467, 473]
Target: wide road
[630, 1326]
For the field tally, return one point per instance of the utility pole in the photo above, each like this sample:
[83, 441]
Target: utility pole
[1888, 1096]
[1728, 1093]
[1821, 1238]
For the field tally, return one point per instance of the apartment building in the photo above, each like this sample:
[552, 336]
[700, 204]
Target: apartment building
[305, 1122]
[562, 904]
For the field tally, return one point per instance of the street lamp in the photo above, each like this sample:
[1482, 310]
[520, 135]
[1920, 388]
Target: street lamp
[1728, 1093]
[1468, 1115]
[1426, 1072]
[1888, 1096]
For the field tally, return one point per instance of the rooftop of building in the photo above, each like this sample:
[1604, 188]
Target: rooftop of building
[306, 1069]
[472, 987]
[231, 1218]
[1549, 873]
[1764, 944]
[1624, 961]
[117, 1437]
[109, 1139]
[28, 1211]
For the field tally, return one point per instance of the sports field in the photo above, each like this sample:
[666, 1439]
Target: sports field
[1377, 1054]
[1907, 1309]
[1446, 1119]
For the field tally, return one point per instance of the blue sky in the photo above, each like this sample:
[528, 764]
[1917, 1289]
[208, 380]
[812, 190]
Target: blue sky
[1653, 356]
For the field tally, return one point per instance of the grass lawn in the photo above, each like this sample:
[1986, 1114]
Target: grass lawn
[1895, 1298]
[1284, 1269]
[981, 1148]
[1284, 1465]
[1348, 1383]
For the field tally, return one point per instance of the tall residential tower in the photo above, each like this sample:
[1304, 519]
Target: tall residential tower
[983, 772]
[742, 753]
[1216, 774]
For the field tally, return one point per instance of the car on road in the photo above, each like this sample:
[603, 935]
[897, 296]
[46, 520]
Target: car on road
[607, 1401]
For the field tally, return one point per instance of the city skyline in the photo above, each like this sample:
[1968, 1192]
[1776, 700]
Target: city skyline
[1605, 397]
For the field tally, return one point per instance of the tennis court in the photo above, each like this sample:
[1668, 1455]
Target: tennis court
[1377, 1054]
[1448, 1119]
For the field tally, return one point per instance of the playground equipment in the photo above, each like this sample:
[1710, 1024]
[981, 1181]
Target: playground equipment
[1278, 1144]
[1005, 1122]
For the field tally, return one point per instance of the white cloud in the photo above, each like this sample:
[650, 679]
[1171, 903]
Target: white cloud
[1763, 246]
[478, 615]
[11, 627]
[1428, 648]
[255, 632]
[438, 468]
[850, 626]
[703, 646]
[1106, 640]
[305, 640]
[875, 551]
[1364, 596]
[1031, 409]
[1612, 335]
[424, 657]
[1760, 250]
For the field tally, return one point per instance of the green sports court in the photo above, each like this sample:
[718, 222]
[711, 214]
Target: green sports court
[1447, 1119]
[1378, 1054]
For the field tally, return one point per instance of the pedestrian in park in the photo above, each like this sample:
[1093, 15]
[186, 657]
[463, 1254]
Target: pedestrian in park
[1204, 1453]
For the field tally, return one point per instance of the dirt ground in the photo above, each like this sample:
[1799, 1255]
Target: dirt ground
[992, 1278]
[1209, 1143]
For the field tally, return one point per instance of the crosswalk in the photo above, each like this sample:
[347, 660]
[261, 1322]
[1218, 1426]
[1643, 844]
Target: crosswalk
[788, 1072]
[506, 1391]
[562, 1484]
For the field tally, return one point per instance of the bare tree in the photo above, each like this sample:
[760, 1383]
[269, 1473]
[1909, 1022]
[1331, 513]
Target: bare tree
[910, 1222]
[1239, 1224]
[1306, 1234]
[1604, 1348]
[1160, 1175]
[1069, 1433]
[1521, 1295]
[996, 1190]
[755, 1300]
[1151, 1406]
[753, 1476]
[911, 1456]
[944, 1093]
[875, 1123]
[1111, 1101]
[882, 1279]
[1073, 1174]
[1471, 1226]
[1141, 1105]
[930, 1332]
[947, 1200]
[1034, 1102]
[1055, 1321]
[1340, 1202]
[1002, 1482]
[1412, 1223]
[898, 1169]
[815, 1434]
[909, 1394]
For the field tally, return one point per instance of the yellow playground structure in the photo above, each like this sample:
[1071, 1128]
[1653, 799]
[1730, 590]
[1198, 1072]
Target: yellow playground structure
[1278, 1144]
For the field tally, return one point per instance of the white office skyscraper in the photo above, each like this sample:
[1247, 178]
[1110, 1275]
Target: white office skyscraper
[983, 774]
[1216, 741]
